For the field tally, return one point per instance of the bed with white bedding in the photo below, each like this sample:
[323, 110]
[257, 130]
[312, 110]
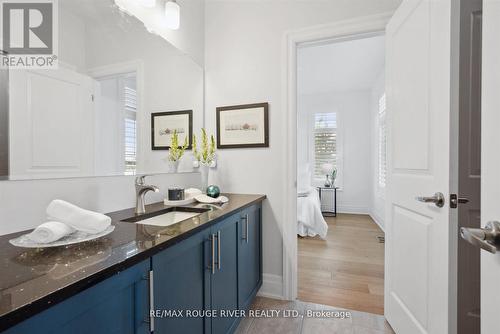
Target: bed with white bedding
[310, 221]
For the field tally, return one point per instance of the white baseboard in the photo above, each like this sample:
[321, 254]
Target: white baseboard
[360, 210]
[272, 286]
[377, 220]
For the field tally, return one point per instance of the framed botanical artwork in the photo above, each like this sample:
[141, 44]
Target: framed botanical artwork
[163, 125]
[243, 126]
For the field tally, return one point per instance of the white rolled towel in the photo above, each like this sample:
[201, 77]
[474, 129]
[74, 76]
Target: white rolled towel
[80, 219]
[210, 200]
[50, 231]
[192, 192]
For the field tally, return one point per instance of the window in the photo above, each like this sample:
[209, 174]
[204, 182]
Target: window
[130, 108]
[325, 141]
[382, 142]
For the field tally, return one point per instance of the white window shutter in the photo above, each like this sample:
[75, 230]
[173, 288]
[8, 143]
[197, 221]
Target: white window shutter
[325, 141]
[130, 106]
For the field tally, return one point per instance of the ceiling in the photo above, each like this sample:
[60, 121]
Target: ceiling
[340, 66]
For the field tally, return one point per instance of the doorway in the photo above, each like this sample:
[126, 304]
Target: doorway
[116, 124]
[118, 100]
[339, 31]
[341, 161]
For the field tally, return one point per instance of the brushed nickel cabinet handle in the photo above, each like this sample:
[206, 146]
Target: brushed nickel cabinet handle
[218, 249]
[248, 223]
[151, 301]
[151, 320]
[213, 254]
[246, 228]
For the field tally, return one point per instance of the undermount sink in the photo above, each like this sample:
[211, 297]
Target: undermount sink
[166, 217]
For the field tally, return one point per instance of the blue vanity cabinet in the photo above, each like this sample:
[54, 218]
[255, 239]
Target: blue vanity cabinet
[181, 280]
[118, 304]
[224, 277]
[249, 255]
[200, 273]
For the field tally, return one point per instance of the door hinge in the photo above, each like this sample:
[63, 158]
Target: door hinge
[92, 97]
[455, 200]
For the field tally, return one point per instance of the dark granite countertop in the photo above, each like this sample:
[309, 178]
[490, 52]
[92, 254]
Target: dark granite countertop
[31, 280]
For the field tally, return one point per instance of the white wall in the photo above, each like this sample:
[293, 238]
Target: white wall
[244, 62]
[354, 143]
[377, 210]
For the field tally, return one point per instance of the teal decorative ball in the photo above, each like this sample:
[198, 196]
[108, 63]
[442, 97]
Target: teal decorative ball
[213, 191]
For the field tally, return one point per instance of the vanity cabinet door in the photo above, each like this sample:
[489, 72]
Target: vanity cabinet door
[181, 280]
[118, 304]
[249, 255]
[225, 275]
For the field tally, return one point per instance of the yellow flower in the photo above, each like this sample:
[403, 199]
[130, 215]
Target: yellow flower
[207, 153]
[175, 152]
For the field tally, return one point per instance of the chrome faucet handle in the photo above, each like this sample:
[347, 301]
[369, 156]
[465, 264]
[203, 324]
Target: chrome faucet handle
[141, 180]
[141, 188]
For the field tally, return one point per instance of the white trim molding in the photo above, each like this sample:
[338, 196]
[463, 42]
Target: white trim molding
[378, 220]
[338, 31]
[272, 286]
[353, 209]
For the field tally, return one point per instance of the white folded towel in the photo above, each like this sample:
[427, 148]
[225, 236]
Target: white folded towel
[210, 200]
[50, 231]
[80, 219]
[192, 192]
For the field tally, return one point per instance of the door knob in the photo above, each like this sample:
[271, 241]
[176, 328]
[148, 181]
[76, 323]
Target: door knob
[487, 238]
[437, 199]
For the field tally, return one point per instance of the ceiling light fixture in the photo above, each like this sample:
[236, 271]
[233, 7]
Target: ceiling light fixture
[172, 14]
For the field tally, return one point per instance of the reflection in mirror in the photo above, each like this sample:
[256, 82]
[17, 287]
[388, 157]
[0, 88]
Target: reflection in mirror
[92, 116]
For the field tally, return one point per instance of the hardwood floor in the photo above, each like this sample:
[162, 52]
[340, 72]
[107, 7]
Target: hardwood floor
[347, 269]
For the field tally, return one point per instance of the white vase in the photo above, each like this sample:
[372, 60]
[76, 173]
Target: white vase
[173, 166]
[204, 170]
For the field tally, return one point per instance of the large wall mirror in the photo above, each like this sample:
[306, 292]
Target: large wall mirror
[92, 115]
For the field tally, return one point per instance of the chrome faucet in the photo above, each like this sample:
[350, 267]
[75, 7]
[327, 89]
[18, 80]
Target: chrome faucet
[141, 188]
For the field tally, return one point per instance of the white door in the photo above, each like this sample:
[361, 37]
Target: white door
[418, 234]
[51, 123]
[490, 163]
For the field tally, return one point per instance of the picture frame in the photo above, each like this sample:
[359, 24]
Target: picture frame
[163, 125]
[243, 126]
